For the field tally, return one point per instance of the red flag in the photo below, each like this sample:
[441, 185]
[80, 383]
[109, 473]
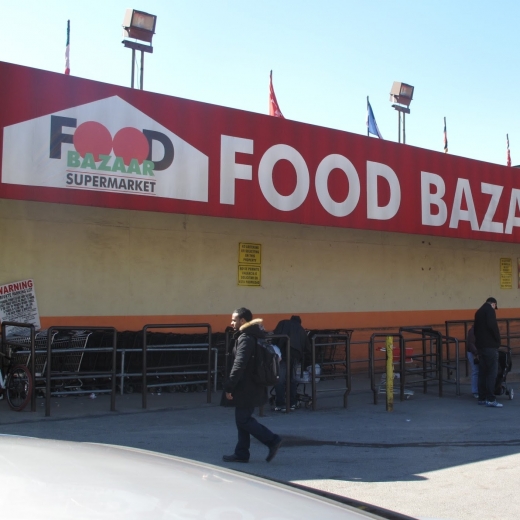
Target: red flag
[508, 152]
[274, 109]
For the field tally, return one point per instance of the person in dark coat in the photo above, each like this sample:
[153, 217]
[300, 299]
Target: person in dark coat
[300, 343]
[487, 341]
[243, 393]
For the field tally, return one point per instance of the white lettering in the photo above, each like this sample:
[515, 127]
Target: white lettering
[495, 192]
[229, 169]
[512, 220]
[457, 213]
[374, 211]
[329, 163]
[274, 154]
[429, 199]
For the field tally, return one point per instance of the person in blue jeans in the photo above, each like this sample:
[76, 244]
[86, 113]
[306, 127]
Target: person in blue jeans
[242, 392]
[472, 355]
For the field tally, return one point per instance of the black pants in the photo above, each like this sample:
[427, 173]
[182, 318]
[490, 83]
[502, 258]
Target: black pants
[247, 426]
[279, 389]
[487, 374]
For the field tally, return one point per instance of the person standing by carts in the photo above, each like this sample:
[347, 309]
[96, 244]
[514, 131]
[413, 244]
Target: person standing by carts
[487, 341]
[299, 345]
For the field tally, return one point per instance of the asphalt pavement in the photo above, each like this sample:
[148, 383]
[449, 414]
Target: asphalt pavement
[431, 457]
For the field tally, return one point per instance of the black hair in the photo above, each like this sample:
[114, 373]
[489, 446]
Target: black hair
[242, 312]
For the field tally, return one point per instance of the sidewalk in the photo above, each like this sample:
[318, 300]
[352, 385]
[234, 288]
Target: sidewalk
[427, 458]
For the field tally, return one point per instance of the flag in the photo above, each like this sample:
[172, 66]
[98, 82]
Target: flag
[274, 109]
[67, 49]
[508, 152]
[372, 127]
[445, 137]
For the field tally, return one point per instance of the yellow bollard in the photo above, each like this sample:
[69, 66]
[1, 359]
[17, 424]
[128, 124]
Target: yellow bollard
[389, 374]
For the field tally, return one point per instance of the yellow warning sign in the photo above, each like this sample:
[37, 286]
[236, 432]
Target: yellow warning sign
[506, 273]
[249, 253]
[250, 275]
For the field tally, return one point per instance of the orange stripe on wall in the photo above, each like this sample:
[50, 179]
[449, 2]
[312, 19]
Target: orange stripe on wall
[332, 320]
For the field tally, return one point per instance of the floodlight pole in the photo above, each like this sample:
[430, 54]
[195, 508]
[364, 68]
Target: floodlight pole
[137, 47]
[133, 68]
[142, 70]
[401, 110]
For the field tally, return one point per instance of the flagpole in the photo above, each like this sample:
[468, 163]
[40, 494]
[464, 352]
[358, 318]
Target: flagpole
[368, 130]
[67, 50]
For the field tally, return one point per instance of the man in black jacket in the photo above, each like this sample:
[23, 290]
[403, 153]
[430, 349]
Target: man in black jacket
[487, 341]
[243, 393]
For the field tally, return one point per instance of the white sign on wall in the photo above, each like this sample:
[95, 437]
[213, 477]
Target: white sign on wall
[18, 303]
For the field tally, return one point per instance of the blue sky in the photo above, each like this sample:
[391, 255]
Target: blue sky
[326, 57]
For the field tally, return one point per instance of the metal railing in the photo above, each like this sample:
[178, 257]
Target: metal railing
[149, 348]
[430, 357]
[331, 341]
[512, 333]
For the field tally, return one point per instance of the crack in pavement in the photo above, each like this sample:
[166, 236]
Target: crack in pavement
[289, 442]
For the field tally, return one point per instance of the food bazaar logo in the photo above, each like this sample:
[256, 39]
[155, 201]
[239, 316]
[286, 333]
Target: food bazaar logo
[129, 151]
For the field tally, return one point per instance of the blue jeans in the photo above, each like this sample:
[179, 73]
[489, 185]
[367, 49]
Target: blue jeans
[247, 426]
[474, 373]
[279, 389]
[487, 375]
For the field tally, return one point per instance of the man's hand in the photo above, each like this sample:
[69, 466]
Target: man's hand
[229, 397]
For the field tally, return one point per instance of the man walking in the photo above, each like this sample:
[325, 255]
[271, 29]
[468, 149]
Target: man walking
[243, 393]
[487, 341]
[299, 344]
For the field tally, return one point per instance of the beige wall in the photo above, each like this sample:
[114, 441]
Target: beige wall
[103, 262]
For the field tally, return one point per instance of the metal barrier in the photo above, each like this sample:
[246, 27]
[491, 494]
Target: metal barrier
[288, 372]
[511, 324]
[332, 341]
[32, 336]
[50, 375]
[431, 357]
[207, 346]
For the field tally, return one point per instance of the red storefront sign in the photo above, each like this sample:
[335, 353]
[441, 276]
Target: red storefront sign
[75, 141]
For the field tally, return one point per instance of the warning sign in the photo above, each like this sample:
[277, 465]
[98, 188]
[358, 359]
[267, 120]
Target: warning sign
[249, 264]
[18, 303]
[506, 273]
[250, 275]
[249, 253]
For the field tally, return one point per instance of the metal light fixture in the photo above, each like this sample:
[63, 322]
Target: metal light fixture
[139, 26]
[401, 95]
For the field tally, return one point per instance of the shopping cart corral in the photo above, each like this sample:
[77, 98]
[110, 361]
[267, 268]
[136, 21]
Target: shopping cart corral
[331, 351]
[55, 358]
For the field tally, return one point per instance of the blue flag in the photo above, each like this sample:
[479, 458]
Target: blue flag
[371, 122]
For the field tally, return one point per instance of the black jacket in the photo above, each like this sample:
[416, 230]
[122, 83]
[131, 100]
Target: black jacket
[487, 334]
[246, 393]
[299, 339]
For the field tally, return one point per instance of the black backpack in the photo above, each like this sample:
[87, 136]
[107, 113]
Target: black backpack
[266, 369]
